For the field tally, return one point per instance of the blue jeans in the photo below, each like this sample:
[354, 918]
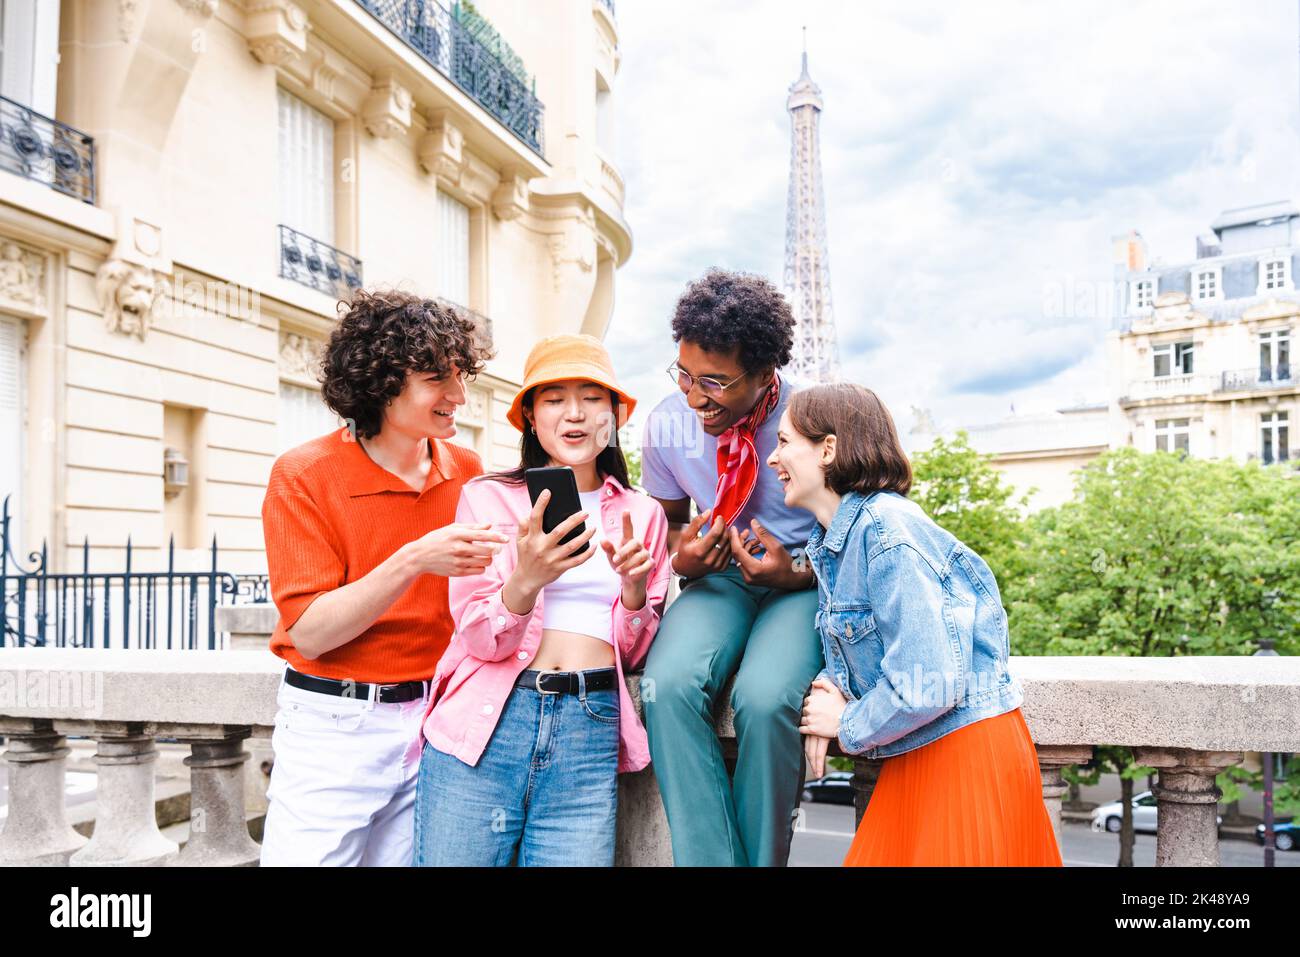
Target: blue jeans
[544, 793]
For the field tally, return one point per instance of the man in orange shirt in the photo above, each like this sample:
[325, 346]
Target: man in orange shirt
[360, 539]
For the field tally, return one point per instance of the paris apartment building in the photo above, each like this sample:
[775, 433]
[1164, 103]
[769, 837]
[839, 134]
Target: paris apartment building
[189, 189]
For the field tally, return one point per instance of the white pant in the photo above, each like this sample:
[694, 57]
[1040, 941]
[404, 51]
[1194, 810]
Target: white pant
[342, 789]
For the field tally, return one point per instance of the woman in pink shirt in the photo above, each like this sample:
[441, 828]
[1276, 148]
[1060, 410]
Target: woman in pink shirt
[530, 720]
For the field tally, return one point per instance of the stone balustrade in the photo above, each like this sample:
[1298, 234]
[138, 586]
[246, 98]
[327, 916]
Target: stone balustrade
[1188, 717]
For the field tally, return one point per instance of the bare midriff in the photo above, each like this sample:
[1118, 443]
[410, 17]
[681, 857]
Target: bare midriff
[570, 651]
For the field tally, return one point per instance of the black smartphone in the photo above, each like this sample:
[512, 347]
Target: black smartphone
[564, 499]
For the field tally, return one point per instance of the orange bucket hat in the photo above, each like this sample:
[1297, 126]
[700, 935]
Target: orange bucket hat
[557, 358]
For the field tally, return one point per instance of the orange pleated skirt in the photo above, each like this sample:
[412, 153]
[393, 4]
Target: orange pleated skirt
[973, 798]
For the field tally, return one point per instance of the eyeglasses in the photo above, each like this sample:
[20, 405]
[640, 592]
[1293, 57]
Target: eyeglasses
[708, 385]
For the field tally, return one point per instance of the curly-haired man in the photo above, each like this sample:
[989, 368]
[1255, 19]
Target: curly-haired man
[748, 605]
[360, 540]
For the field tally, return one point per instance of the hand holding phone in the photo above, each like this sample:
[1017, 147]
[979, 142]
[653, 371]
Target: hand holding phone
[561, 503]
[543, 556]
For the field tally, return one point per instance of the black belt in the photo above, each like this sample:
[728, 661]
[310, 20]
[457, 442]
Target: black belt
[566, 682]
[386, 694]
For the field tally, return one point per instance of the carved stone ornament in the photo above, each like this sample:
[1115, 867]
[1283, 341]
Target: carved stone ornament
[126, 14]
[557, 244]
[510, 200]
[276, 30]
[476, 406]
[22, 276]
[204, 8]
[322, 79]
[1170, 310]
[442, 149]
[130, 297]
[1272, 309]
[387, 110]
[300, 356]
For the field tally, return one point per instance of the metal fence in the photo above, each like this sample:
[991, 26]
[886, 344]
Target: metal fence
[123, 608]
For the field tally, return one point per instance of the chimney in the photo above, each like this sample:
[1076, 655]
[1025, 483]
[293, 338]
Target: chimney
[1129, 251]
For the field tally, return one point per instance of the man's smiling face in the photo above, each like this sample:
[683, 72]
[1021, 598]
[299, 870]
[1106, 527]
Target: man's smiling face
[717, 413]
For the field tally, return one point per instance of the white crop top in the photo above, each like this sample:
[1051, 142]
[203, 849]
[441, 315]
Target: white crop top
[582, 599]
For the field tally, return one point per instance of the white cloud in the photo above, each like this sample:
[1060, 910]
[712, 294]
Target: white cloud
[977, 159]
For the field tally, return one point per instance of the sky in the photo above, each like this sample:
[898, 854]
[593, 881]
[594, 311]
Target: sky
[978, 159]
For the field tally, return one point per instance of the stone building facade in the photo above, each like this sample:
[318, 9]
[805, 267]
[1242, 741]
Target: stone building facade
[189, 189]
[1201, 361]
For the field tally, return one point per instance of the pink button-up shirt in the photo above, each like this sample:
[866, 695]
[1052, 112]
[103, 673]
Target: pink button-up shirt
[492, 645]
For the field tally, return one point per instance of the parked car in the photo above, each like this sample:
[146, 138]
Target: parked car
[1108, 816]
[1284, 834]
[834, 788]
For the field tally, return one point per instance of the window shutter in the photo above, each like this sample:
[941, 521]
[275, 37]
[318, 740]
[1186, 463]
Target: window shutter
[306, 168]
[11, 411]
[29, 47]
[453, 249]
[303, 416]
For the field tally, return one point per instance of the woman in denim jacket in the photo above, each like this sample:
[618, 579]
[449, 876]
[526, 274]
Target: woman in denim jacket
[915, 641]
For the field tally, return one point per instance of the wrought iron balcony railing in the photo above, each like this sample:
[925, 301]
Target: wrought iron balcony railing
[1243, 380]
[431, 31]
[47, 151]
[312, 263]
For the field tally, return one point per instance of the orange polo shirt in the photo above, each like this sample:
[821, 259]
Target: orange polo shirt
[330, 516]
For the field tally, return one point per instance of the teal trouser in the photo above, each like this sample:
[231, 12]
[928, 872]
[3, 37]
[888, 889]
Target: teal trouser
[767, 638]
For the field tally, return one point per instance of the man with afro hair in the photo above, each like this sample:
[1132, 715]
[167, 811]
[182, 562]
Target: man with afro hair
[748, 602]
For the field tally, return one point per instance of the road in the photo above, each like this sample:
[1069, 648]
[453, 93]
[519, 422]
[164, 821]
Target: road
[827, 830]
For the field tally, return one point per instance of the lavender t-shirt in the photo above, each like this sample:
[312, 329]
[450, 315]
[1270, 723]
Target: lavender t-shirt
[680, 460]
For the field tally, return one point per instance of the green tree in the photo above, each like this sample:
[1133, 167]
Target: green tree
[961, 490]
[1163, 555]
[631, 454]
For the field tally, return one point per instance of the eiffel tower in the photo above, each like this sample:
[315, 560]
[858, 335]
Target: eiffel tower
[807, 262]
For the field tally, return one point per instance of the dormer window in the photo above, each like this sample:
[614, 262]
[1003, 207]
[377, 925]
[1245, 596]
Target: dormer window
[1274, 274]
[1142, 294]
[1207, 284]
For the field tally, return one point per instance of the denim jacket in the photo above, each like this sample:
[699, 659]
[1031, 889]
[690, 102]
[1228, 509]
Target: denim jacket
[912, 626]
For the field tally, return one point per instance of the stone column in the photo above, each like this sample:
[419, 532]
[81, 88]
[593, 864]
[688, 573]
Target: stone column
[642, 839]
[865, 773]
[126, 828]
[218, 826]
[1051, 759]
[250, 628]
[1187, 803]
[36, 831]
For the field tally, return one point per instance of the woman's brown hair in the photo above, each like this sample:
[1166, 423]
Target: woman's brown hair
[868, 456]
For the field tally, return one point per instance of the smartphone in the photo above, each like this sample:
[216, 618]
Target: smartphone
[564, 499]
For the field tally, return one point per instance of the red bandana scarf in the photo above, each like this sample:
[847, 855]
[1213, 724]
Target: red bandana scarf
[737, 459]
